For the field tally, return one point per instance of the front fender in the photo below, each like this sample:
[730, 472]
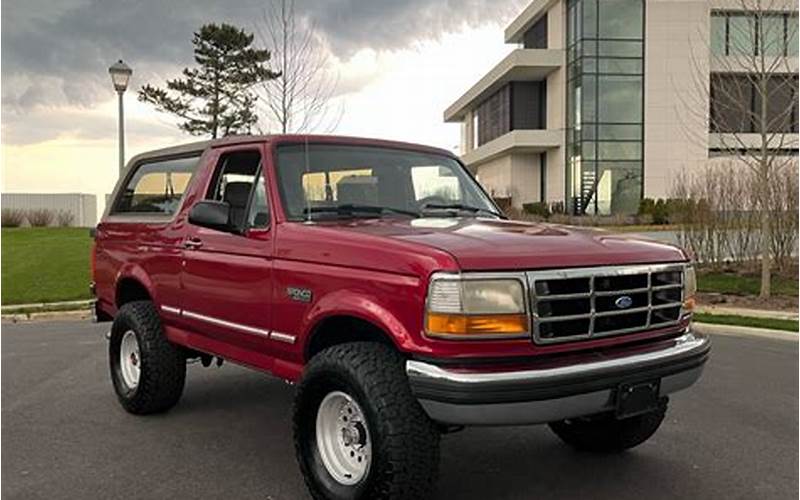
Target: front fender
[356, 304]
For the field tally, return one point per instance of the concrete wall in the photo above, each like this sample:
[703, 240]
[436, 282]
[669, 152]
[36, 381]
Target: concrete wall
[82, 206]
[556, 176]
[676, 91]
[515, 175]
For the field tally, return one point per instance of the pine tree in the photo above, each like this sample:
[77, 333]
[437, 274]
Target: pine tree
[215, 97]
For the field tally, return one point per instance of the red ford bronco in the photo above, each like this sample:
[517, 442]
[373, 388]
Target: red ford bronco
[382, 280]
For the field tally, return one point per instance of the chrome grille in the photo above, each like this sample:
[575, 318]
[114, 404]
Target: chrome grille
[573, 304]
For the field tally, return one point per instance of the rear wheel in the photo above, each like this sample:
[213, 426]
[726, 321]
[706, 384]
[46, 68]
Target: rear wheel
[358, 430]
[605, 433]
[148, 372]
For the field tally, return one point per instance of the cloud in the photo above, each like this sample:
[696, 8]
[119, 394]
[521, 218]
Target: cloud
[59, 52]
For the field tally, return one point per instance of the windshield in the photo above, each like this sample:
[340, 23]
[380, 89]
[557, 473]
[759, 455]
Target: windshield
[319, 181]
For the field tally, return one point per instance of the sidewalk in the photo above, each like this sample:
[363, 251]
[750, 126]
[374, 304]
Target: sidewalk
[751, 313]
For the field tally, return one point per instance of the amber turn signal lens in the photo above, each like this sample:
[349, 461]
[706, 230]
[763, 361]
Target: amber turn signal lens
[689, 304]
[447, 325]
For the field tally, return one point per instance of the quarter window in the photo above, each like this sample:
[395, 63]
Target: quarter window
[156, 187]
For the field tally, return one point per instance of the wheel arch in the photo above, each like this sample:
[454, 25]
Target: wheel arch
[338, 329]
[131, 286]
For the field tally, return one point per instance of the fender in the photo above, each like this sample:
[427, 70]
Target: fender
[361, 306]
[131, 270]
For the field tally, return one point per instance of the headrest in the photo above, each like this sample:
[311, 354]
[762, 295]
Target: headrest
[236, 193]
[362, 190]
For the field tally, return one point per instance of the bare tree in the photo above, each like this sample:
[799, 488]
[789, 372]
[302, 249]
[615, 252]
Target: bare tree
[300, 99]
[747, 89]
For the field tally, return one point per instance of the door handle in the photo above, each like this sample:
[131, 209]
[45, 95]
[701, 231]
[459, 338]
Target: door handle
[192, 243]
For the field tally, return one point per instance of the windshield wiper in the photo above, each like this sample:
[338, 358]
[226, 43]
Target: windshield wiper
[462, 207]
[348, 209]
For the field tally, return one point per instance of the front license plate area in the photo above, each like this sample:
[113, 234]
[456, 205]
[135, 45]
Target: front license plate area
[636, 399]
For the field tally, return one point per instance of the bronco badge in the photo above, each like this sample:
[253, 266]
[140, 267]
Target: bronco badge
[299, 294]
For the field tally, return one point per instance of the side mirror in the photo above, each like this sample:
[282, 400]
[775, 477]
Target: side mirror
[211, 214]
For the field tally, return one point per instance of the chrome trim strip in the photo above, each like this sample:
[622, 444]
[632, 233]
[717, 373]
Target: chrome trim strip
[228, 324]
[684, 346]
[282, 337]
[172, 310]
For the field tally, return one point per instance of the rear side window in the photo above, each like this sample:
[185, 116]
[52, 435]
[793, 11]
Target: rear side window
[156, 187]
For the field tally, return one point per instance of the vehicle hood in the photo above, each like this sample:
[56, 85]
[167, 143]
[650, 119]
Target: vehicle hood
[490, 244]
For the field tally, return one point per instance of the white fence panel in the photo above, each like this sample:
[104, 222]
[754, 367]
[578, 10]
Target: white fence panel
[82, 206]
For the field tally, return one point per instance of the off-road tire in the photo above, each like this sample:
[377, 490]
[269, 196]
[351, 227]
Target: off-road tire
[607, 434]
[163, 364]
[405, 442]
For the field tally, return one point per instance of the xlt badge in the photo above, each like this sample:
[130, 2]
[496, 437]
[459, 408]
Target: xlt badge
[299, 294]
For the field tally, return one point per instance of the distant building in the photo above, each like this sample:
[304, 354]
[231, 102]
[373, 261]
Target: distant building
[82, 206]
[595, 106]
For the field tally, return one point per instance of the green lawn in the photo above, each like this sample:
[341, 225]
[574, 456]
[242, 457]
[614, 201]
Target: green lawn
[45, 264]
[748, 284]
[727, 319]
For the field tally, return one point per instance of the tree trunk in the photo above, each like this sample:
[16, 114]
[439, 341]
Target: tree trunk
[766, 238]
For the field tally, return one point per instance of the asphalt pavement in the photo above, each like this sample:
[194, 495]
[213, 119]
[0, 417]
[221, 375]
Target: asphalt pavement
[734, 435]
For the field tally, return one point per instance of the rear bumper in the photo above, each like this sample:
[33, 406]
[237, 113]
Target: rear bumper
[549, 390]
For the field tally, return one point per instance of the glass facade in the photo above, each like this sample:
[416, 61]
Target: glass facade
[605, 112]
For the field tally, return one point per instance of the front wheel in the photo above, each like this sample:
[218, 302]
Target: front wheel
[358, 430]
[606, 433]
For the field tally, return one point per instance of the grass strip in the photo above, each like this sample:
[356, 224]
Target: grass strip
[747, 321]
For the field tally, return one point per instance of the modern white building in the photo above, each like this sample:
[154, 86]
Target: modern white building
[603, 102]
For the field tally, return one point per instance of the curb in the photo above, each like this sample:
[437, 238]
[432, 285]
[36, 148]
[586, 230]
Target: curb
[745, 331]
[79, 304]
[74, 315]
[748, 313]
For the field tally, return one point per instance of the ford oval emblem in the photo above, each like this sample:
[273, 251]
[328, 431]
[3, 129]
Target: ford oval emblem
[623, 302]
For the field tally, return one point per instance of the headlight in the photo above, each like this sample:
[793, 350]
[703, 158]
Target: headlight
[476, 308]
[689, 288]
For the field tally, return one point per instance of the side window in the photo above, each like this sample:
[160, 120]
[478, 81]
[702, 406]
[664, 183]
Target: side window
[238, 182]
[156, 187]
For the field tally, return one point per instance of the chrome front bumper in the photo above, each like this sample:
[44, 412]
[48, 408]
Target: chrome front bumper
[554, 388]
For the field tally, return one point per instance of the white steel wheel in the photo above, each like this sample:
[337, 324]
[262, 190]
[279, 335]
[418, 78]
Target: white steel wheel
[129, 359]
[343, 438]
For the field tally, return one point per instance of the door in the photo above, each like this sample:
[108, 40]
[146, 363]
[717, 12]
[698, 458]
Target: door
[226, 275]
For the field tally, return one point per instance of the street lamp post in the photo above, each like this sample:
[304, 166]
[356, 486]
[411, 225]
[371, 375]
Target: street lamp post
[120, 75]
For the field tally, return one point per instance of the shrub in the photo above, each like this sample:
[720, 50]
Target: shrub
[12, 217]
[40, 217]
[65, 218]
[504, 203]
[646, 206]
[539, 209]
[658, 211]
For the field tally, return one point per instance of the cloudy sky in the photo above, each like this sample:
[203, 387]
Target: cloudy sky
[399, 64]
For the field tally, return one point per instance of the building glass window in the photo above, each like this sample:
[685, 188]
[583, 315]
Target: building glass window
[740, 33]
[771, 35]
[719, 35]
[736, 104]
[792, 42]
[605, 87]
[620, 19]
